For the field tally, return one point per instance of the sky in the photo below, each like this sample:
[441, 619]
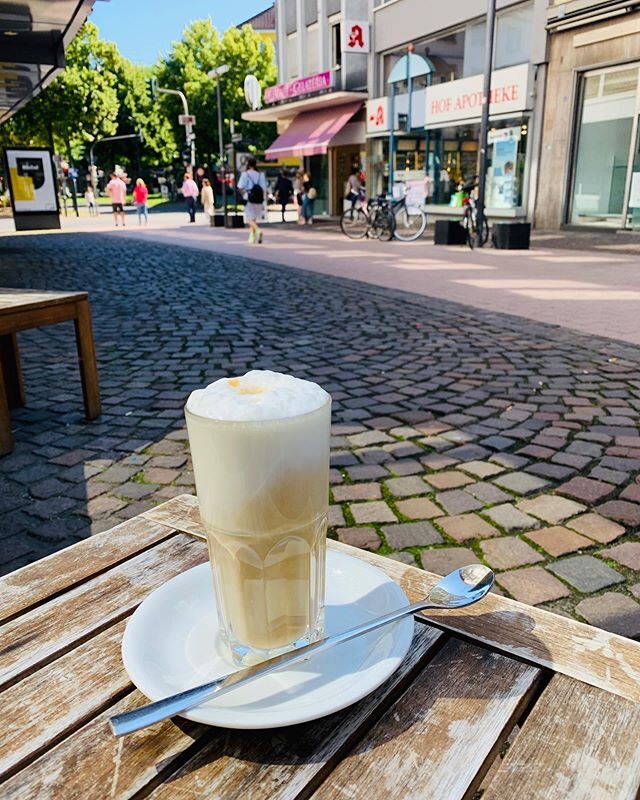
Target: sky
[143, 29]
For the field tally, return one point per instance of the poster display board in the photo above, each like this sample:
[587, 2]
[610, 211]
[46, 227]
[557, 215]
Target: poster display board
[32, 187]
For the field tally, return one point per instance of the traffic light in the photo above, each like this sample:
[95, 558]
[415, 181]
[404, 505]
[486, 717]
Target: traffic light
[152, 88]
[186, 155]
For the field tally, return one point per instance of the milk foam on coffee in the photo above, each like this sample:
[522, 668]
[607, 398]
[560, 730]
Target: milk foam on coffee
[260, 448]
[258, 395]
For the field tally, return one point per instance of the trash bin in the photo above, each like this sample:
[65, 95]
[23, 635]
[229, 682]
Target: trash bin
[235, 220]
[217, 221]
[511, 235]
[449, 231]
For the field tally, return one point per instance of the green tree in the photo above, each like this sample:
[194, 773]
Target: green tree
[200, 50]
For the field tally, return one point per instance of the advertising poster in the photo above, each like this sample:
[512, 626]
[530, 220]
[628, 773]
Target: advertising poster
[503, 165]
[32, 183]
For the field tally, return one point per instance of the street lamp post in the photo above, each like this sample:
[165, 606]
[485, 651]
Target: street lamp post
[188, 128]
[217, 73]
[484, 122]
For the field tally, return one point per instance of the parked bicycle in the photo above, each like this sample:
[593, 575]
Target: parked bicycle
[470, 216]
[384, 218]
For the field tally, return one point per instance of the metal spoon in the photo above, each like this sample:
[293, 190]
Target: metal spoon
[460, 588]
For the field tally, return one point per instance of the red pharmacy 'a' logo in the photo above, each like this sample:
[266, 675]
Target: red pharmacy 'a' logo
[378, 117]
[356, 37]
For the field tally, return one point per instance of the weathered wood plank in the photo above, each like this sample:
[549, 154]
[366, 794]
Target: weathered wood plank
[578, 743]
[591, 655]
[93, 763]
[40, 634]
[41, 708]
[435, 740]
[280, 764]
[30, 585]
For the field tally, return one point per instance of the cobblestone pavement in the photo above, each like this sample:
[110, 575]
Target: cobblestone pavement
[459, 434]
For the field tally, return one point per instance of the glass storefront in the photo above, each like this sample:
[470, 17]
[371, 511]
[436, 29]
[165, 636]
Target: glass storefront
[605, 189]
[453, 160]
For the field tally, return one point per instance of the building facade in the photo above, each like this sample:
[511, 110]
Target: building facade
[435, 146]
[590, 162]
[319, 101]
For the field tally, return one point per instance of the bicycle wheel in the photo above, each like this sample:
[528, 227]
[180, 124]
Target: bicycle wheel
[410, 222]
[354, 223]
[384, 225]
[469, 227]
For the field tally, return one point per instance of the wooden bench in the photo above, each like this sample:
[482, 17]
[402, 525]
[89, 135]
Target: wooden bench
[21, 309]
[563, 695]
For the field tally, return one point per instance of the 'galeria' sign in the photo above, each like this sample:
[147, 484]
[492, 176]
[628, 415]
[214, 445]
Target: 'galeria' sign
[461, 100]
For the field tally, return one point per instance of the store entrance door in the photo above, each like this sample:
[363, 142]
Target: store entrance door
[344, 158]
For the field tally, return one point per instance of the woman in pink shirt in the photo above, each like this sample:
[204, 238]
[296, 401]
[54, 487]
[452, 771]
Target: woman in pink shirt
[190, 192]
[140, 194]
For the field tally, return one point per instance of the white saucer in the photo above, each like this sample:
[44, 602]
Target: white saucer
[171, 643]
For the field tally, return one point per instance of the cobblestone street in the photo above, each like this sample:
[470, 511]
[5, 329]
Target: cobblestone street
[459, 434]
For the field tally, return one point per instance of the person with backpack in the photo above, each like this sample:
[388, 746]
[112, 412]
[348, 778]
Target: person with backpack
[253, 186]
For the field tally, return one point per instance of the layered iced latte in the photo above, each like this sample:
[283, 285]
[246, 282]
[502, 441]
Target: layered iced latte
[260, 448]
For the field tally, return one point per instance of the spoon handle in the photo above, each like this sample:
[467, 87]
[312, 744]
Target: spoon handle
[151, 713]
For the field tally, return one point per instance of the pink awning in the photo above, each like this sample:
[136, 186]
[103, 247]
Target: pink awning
[311, 133]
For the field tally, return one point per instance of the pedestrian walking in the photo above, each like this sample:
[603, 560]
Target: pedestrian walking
[308, 199]
[253, 186]
[140, 196]
[117, 191]
[90, 200]
[206, 198]
[283, 191]
[190, 193]
[298, 192]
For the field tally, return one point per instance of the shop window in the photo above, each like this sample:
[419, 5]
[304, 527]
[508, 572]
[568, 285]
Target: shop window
[473, 63]
[336, 46]
[514, 30]
[292, 56]
[602, 157]
[312, 50]
[445, 54]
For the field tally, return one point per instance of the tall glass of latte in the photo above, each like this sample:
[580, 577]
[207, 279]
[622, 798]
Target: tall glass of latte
[260, 449]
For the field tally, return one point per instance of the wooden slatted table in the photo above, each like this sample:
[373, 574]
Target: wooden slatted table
[21, 309]
[562, 698]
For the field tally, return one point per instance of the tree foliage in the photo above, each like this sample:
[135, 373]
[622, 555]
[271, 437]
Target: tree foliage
[101, 93]
[200, 50]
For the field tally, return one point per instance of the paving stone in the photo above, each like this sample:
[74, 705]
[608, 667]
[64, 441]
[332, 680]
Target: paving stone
[627, 554]
[481, 469]
[571, 460]
[635, 590]
[342, 458]
[367, 472]
[357, 491]
[103, 505]
[558, 541]
[405, 487]
[457, 501]
[402, 449]
[532, 585]
[506, 552]
[621, 511]
[507, 516]
[551, 508]
[335, 477]
[161, 475]
[372, 512]
[72, 457]
[488, 493]
[466, 526]
[597, 528]
[118, 474]
[411, 534]
[169, 462]
[631, 493]
[509, 460]
[520, 483]
[612, 611]
[403, 557]
[586, 573]
[335, 516]
[468, 452]
[373, 455]
[497, 442]
[444, 560]
[47, 488]
[586, 490]
[554, 471]
[369, 437]
[364, 538]
[418, 508]
[448, 480]
[136, 491]
[609, 475]
[406, 467]
[438, 461]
